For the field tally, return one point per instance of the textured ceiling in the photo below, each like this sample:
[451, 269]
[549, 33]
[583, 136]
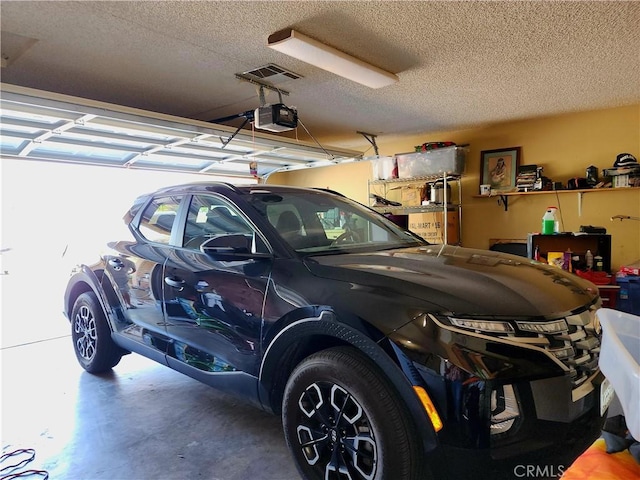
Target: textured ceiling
[460, 64]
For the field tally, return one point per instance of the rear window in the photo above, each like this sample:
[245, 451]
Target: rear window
[158, 219]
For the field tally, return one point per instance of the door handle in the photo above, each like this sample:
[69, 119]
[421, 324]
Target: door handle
[174, 282]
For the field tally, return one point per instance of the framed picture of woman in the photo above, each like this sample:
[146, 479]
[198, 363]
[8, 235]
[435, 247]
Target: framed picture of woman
[498, 168]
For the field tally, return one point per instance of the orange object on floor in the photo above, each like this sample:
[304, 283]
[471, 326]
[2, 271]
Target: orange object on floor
[596, 464]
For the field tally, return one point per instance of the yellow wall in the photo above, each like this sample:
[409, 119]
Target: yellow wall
[564, 145]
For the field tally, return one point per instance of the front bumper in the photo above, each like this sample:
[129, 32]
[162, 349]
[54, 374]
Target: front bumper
[509, 402]
[537, 446]
[543, 456]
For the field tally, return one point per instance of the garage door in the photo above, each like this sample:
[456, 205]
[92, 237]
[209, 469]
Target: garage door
[39, 125]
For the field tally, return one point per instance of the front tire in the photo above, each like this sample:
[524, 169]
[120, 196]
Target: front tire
[95, 350]
[343, 419]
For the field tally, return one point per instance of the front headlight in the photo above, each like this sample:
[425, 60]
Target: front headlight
[504, 409]
[557, 326]
[489, 326]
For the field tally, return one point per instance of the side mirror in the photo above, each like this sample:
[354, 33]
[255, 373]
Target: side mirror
[231, 247]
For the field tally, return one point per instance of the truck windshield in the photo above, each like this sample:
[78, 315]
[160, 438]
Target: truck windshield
[318, 221]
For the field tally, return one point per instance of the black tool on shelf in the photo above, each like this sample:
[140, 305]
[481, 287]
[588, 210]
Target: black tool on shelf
[383, 201]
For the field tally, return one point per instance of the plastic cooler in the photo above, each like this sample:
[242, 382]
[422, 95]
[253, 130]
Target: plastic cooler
[620, 361]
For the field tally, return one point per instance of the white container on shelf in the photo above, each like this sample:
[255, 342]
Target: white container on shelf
[439, 161]
[384, 168]
[620, 361]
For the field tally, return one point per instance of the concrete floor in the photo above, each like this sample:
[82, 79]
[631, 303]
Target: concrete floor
[142, 421]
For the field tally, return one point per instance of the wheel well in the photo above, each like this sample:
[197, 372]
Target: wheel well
[302, 347]
[77, 290]
[291, 357]
[81, 287]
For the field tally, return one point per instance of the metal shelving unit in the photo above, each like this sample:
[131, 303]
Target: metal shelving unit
[383, 187]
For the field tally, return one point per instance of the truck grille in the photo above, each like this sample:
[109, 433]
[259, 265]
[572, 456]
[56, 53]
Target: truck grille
[576, 343]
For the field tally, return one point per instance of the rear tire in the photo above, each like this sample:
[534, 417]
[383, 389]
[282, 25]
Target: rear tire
[95, 350]
[343, 419]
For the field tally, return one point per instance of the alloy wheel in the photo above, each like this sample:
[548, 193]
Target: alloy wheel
[334, 433]
[85, 330]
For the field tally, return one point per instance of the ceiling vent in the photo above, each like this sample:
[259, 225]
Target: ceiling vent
[272, 73]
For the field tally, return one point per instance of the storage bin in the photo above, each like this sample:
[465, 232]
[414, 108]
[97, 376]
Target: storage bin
[384, 168]
[620, 361]
[629, 294]
[449, 160]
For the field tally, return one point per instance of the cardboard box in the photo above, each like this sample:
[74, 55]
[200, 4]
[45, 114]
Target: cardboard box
[411, 196]
[430, 226]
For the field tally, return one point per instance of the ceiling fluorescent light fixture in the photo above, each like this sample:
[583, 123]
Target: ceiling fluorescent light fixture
[304, 48]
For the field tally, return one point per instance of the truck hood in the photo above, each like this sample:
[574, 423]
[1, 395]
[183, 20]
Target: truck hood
[462, 281]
